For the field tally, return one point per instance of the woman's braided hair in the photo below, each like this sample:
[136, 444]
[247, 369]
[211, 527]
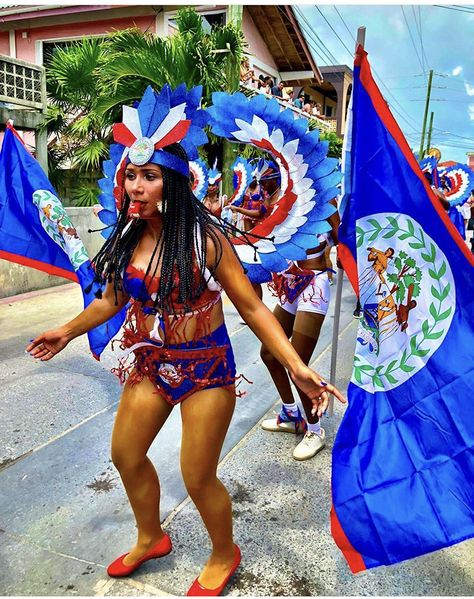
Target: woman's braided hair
[187, 224]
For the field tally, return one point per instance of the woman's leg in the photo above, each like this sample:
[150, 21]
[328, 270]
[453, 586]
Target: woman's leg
[306, 330]
[206, 416]
[276, 370]
[140, 416]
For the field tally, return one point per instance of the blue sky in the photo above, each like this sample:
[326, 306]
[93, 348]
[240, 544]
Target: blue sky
[448, 42]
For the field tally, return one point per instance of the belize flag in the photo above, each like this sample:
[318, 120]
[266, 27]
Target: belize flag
[36, 231]
[403, 458]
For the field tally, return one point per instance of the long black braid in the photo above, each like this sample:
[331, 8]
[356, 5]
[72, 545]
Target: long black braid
[187, 224]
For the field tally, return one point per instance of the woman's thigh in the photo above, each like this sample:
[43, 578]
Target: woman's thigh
[141, 414]
[306, 330]
[205, 416]
[285, 318]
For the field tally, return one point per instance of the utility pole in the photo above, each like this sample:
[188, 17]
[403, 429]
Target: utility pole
[428, 94]
[234, 12]
[340, 274]
[430, 132]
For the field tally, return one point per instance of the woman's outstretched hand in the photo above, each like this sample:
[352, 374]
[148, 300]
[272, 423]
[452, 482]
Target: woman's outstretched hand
[48, 344]
[316, 388]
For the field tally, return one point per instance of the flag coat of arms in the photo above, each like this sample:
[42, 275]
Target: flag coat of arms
[36, 231]
[403, 458]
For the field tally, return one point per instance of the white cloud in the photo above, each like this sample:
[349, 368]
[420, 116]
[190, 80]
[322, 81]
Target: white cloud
[471, 112]
[397, 23]
[456, 71]
[469, 89]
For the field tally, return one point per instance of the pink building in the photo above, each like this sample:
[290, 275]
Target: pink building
[275, 41]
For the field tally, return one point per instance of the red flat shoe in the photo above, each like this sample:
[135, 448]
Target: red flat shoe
[117, 569]
[197, 590]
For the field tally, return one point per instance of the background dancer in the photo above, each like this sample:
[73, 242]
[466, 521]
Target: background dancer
[304, 295]
[253, 208]
[173, 259]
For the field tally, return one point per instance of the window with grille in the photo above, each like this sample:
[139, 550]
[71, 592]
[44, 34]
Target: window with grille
[19, 83]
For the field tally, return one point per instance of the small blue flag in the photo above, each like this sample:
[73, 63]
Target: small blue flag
[36, 231]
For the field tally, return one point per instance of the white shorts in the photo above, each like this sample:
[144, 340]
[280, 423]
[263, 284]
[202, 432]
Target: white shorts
[315, 298]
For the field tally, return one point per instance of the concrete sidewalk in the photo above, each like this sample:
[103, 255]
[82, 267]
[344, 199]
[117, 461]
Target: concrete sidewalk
[65, 516]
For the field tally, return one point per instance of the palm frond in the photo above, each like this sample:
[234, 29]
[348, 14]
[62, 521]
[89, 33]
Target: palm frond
[85, 196]
[89, 157]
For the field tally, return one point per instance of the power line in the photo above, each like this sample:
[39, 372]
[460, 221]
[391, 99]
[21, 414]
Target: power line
[378, 76]
[314, 36]
[420, 33]
[326, 59]
[452, 8]
[344, 23]
[413, 41]
[351, 52]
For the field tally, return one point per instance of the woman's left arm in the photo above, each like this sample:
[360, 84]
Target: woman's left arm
[266, 327]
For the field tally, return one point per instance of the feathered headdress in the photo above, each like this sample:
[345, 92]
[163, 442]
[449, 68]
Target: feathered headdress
[243, 176]
[214, 176]
[158, 120]
[260, 166]
[458, 182]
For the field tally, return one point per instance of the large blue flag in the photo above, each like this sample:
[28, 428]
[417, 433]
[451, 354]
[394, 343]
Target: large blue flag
[36, 231]
[403, 459]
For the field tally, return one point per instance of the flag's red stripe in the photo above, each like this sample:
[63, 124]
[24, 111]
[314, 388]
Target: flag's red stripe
[48, 268]
[353, 557]
[349, 265]
[381, 107]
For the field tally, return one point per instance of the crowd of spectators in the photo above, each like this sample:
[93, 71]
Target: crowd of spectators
[267, 85]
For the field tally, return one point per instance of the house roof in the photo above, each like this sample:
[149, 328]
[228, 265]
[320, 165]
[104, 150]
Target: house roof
[281, 33]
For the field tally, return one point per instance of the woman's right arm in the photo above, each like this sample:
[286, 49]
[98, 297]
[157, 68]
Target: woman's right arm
[48, 344]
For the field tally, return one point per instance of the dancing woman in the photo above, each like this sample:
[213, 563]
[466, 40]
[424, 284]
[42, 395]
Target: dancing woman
[304, 293]
[171, 259]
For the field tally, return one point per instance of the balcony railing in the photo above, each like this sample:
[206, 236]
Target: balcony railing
[22, 84]
[327, 125]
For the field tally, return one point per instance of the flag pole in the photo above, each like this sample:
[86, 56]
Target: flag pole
[340, 274]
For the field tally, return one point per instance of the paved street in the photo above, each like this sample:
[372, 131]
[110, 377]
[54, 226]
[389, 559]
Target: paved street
[64, 514]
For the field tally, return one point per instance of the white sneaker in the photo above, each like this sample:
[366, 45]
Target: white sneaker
[285, 422]
[311, 444]
[272, 424]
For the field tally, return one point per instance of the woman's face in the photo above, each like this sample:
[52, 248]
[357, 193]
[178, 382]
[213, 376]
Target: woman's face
[144, 187]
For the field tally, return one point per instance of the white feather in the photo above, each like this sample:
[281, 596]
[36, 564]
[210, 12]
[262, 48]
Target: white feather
[260, 128]
[174, 116]
[289, 150]
[302, 186]
[247, 254]
[132, 121]
[277, 139]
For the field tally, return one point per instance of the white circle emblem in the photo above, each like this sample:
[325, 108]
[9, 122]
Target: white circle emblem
[407, 293]
[141, 151]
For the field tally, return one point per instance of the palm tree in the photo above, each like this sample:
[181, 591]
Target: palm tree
[89, 81]
[79, 138]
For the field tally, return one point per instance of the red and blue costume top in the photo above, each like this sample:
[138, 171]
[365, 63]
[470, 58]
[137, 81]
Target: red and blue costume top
[180, 355]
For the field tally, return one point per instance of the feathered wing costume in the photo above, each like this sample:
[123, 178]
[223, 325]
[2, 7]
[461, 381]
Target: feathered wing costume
[243, 176]
[309, 179]
[458, 181]
[200, 174]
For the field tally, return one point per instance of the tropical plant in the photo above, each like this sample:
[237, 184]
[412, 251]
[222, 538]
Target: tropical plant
[335, 144]
[79, 138]
[90, 80]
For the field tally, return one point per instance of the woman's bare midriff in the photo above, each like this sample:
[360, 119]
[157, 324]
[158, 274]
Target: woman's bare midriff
[185, 329]
[318, 263]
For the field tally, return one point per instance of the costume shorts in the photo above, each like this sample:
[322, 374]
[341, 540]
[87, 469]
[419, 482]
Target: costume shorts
[179, 370]
[314, 298]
